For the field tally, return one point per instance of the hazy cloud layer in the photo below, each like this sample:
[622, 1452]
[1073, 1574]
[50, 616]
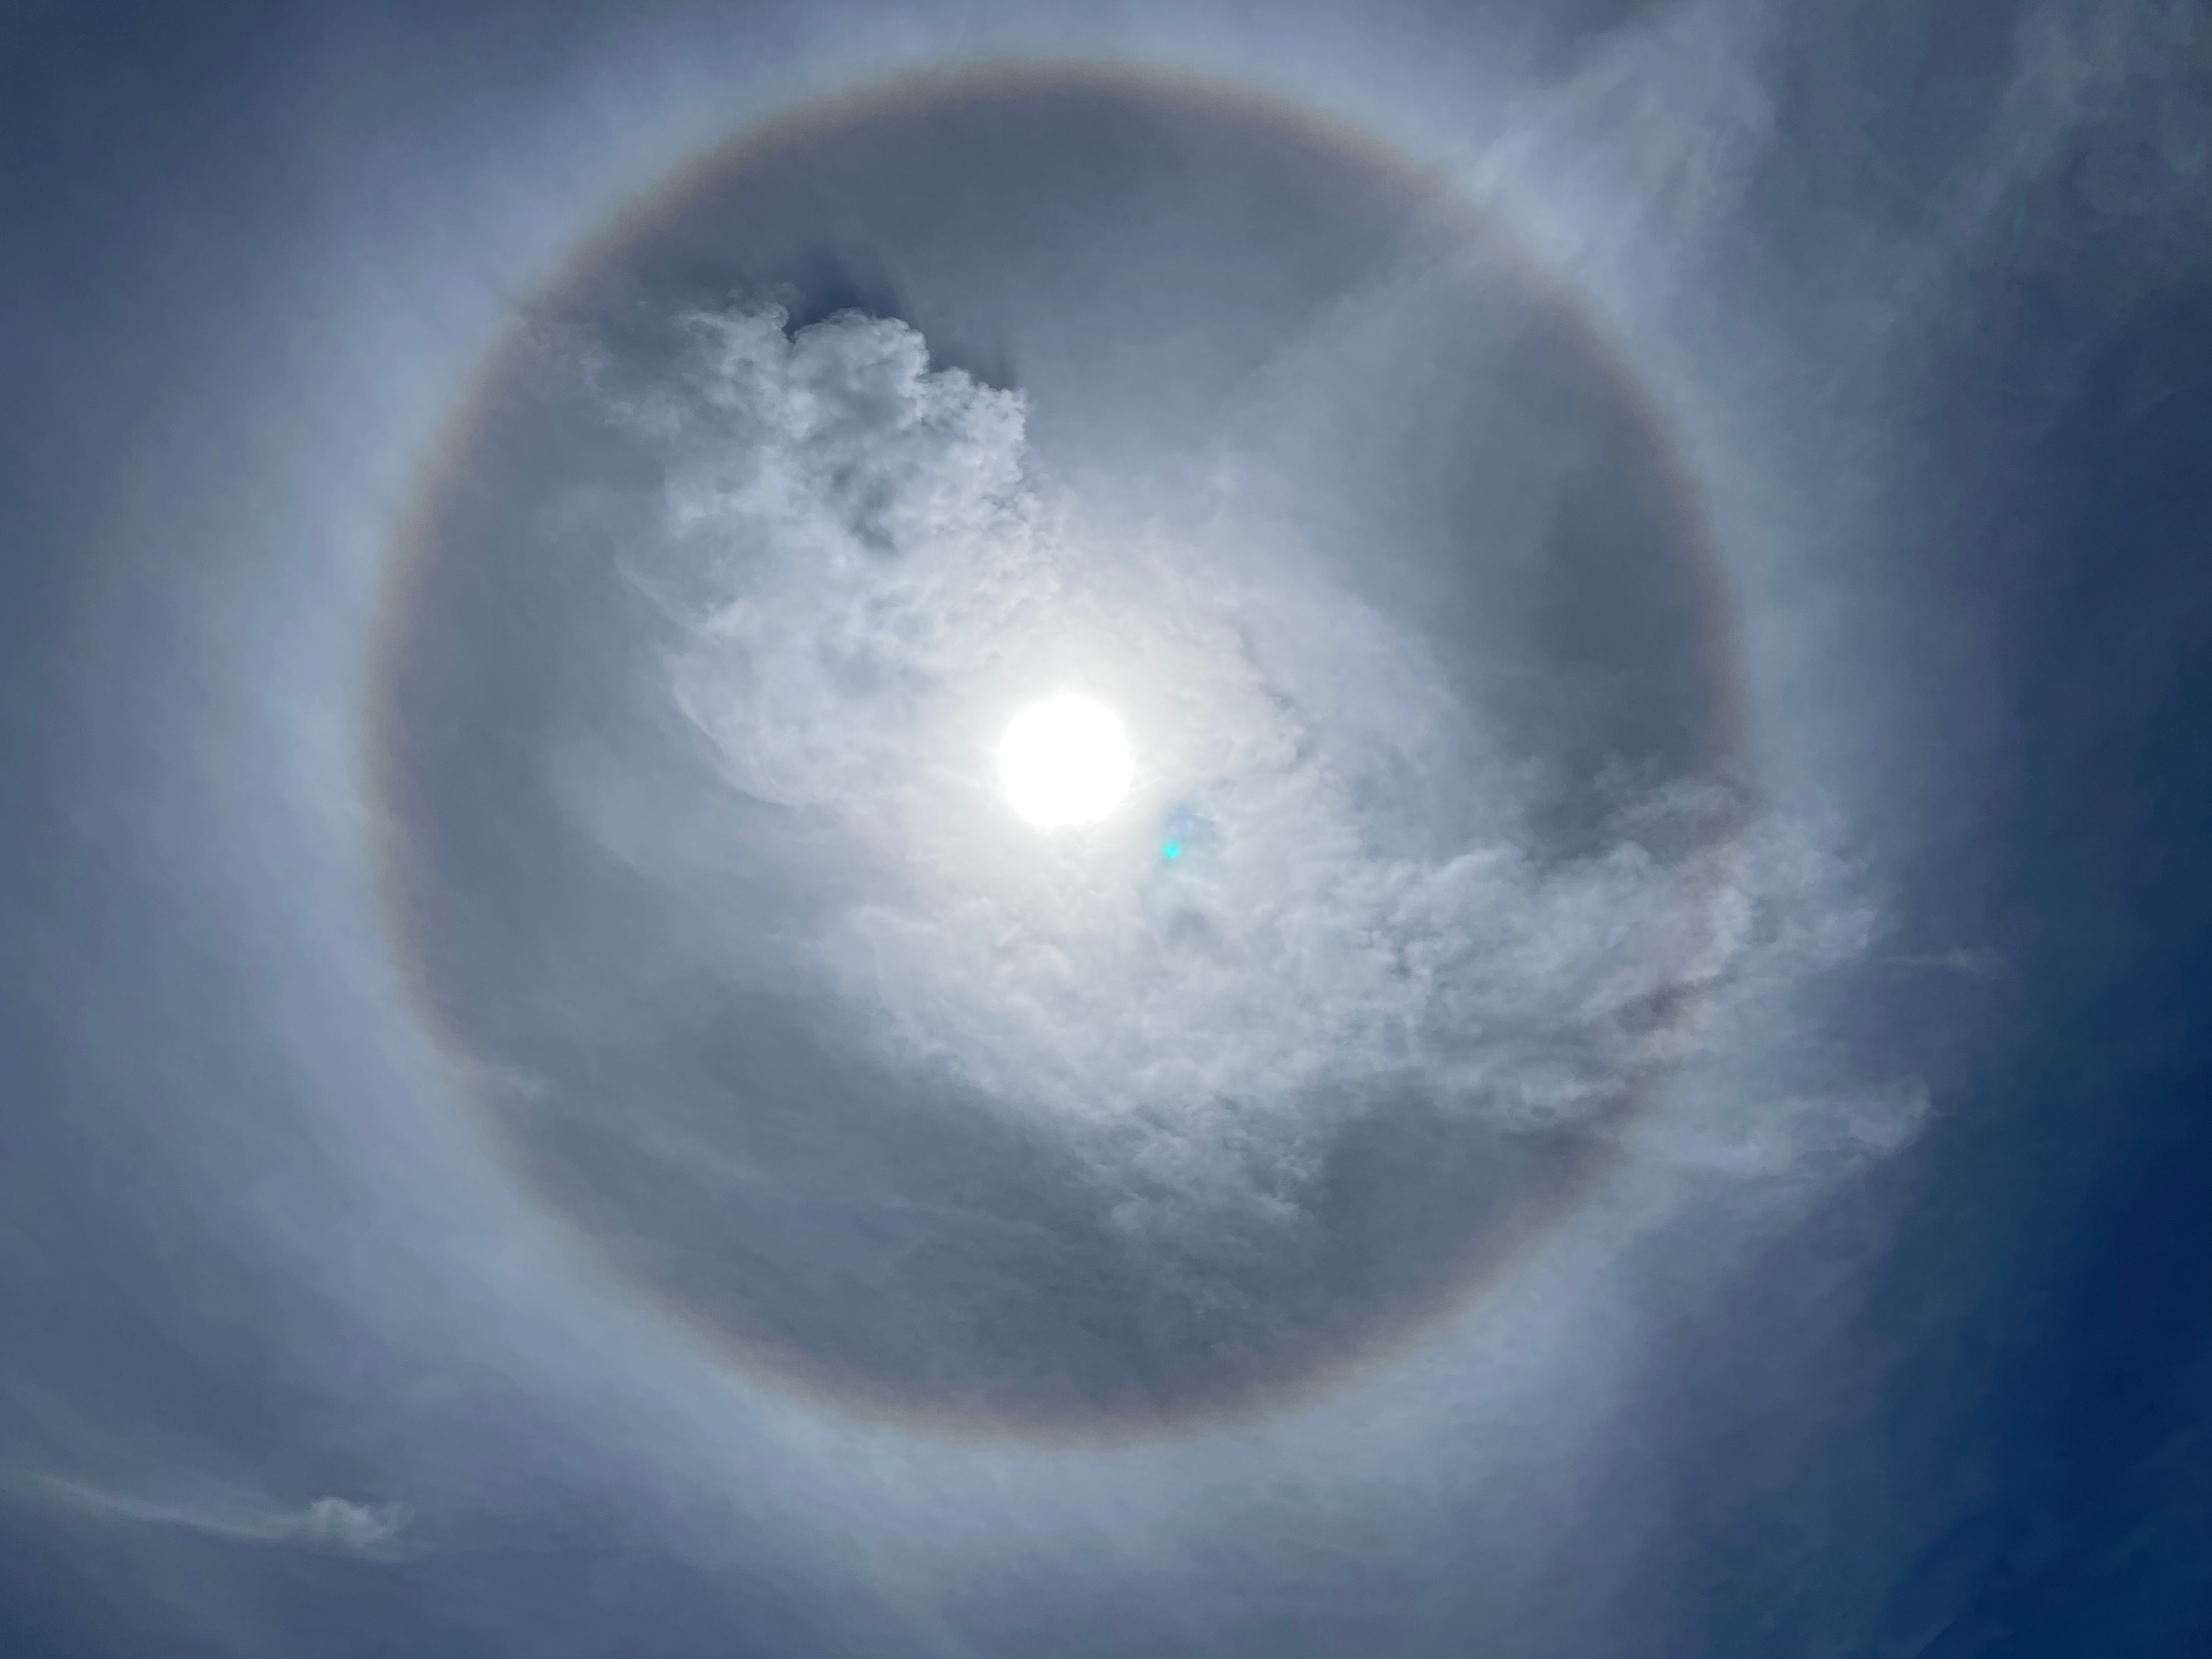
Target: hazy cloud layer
[1907, 269]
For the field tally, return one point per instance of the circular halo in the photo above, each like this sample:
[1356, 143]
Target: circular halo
[600, 926]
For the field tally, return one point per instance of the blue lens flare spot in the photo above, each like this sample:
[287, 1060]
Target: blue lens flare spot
[1172, 850]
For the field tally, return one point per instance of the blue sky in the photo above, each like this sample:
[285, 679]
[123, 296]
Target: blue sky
[348, 1310]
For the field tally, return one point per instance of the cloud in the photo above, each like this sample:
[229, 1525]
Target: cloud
[1790, 1137]
[868, 581]
[1653, 141]
[339, 1524]
[334, 1525]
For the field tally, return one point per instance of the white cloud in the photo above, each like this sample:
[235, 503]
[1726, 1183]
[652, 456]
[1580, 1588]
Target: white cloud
[336, 1524]
[340, 1524]
[885, 586]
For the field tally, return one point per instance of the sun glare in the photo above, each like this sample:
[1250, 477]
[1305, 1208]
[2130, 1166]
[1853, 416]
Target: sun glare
[1065, 762]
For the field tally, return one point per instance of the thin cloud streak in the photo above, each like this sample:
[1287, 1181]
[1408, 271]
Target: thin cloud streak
[335, 1526]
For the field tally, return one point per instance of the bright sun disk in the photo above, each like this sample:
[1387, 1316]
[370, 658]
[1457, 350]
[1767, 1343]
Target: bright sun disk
[1065, 762]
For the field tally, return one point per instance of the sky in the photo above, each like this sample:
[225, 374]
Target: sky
[1650, 558]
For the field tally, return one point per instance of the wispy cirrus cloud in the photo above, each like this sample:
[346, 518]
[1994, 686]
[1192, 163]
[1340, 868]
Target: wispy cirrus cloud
[334, 1525]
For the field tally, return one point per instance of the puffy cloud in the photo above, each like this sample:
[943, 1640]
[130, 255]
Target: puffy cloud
[340, 1524]
[870, 581]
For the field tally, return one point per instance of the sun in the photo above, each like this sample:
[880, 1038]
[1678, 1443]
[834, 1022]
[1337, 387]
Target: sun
[1065, 760]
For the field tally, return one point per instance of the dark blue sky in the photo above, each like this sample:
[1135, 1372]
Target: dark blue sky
[1885, 1331]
